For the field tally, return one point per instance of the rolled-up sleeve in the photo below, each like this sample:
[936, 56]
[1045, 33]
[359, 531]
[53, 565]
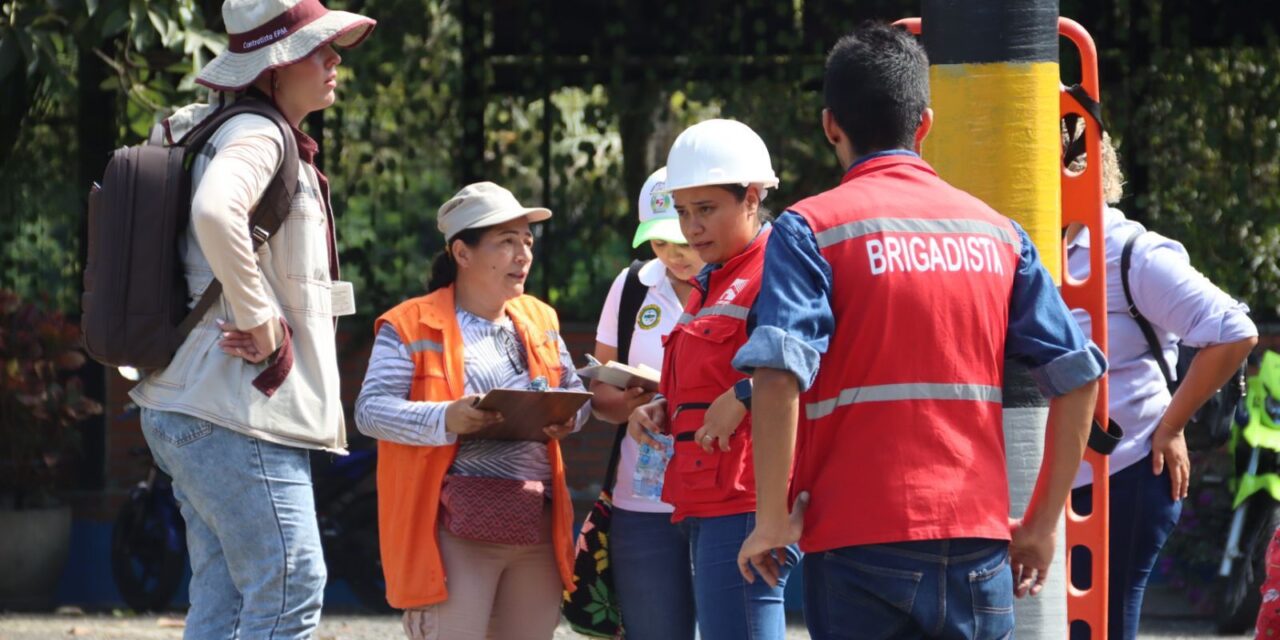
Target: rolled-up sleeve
[383, 410]
[792, 315]
[1176, 297]
[1042, 334]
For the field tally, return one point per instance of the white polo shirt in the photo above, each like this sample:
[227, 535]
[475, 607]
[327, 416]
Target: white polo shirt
[658, 315]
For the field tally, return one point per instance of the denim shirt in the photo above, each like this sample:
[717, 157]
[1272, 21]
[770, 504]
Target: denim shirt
[792, 320]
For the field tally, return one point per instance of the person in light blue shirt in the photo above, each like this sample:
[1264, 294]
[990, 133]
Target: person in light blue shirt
[1150, 469]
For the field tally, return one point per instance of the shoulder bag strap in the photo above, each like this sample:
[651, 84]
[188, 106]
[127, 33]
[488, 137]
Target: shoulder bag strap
[633, 293]
[1153, 343]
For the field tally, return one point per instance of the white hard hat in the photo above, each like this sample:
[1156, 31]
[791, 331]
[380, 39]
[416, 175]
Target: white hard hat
[719, 152]
[658, 218]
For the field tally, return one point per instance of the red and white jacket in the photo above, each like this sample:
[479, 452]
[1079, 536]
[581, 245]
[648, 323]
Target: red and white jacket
[696, 369]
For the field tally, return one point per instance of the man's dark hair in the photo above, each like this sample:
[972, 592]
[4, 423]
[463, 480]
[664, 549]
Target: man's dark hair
[877, 86]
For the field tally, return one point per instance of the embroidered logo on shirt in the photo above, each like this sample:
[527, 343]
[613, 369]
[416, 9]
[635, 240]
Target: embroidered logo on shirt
[733, 291]
[649, 316]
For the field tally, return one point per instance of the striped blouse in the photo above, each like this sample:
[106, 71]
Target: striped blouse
[493, 358]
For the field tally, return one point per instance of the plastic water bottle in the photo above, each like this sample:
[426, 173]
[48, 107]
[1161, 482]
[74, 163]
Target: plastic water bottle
[651, 467]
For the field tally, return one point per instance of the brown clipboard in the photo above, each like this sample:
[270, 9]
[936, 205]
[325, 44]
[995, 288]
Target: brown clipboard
[621, 376]
[525, 413]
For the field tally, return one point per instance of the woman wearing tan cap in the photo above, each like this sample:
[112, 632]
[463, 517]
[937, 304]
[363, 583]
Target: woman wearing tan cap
[491, 517]
[255, 386]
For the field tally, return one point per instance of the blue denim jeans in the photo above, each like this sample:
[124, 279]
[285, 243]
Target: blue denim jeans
[1143, 514]
[959, 588]
[257, 568]
[729, 607]
[653, 575]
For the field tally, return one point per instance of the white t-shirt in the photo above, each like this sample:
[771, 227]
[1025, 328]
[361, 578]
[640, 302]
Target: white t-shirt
[658, 315]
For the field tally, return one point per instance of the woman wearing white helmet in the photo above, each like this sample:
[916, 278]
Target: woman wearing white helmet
[718, 172]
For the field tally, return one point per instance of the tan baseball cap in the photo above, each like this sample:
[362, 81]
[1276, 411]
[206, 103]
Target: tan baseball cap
[483, 204]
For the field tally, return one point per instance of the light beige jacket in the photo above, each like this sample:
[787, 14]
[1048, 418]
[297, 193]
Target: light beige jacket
[289, 278]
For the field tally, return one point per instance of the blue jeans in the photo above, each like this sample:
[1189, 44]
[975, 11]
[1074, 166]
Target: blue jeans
[728, 606]
[257, 568]
[652, 575]
[1143, 514]
[959, 588]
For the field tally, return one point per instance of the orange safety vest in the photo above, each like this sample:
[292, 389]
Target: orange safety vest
[410, 477]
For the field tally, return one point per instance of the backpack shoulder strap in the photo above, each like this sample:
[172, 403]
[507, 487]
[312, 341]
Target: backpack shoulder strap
[274, 205]
[1148, 332]
[633, 293]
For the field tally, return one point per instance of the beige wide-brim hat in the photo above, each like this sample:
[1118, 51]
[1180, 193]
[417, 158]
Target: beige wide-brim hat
[483, 204]
[269, 34]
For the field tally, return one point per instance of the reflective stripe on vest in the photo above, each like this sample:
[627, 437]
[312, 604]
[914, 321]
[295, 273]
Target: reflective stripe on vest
[730, 310]
[908, 391]
[859, 228]
[425, 345]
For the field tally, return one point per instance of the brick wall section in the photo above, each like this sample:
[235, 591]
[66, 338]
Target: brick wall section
[585, 452]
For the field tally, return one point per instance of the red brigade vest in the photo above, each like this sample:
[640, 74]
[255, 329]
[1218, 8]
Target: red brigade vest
[900, 435]
[696, 368]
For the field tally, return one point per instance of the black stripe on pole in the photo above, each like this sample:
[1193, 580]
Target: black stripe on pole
[1020, 390]
[991, 31]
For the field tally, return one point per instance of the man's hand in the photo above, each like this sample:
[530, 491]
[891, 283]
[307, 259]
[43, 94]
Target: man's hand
[646, 419]
[1030, 553]
[765, 548]
[1169, 447]
[561, 430]
[719, 422]
[256, 344]
[461, 416]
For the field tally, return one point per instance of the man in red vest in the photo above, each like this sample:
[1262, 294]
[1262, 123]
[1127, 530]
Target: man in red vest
[888, 308]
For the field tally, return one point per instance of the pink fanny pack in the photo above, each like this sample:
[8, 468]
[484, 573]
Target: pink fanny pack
[494, 510]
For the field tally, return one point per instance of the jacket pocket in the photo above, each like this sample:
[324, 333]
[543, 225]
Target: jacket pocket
[303, 246]
[698, 472]
[717, 329]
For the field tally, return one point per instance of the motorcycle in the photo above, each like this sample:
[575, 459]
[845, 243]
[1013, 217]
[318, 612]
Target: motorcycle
[1255, 450]
[149, 546]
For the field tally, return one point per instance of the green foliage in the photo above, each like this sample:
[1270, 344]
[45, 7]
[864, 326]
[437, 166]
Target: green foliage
[1206, 131]
[577, 106]
[390, 144]
[151, 49]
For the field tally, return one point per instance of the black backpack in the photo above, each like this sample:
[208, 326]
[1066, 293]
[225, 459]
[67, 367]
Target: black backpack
[1210, 425]
[134, 307]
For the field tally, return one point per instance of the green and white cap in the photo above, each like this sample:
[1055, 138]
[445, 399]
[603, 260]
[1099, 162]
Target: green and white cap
[658, 219]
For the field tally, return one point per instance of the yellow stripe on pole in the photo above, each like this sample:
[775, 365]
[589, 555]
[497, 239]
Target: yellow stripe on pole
[995, 135]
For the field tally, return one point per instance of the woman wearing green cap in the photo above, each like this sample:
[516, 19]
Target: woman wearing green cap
[649, 554]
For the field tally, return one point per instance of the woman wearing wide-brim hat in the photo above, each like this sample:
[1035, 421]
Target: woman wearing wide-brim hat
[475, 532]
[255, 386]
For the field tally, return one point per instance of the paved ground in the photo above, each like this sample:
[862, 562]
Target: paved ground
[355, 627]
[1164, 618]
